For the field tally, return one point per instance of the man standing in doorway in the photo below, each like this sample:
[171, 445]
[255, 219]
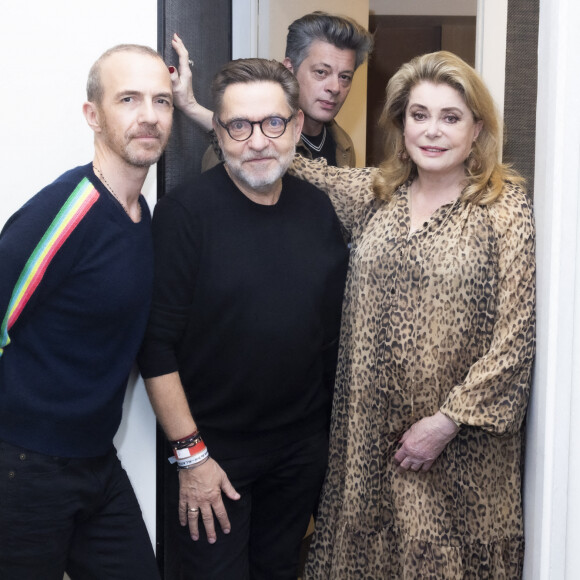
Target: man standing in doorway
[323, 51]
[250, 268]
[75, 292]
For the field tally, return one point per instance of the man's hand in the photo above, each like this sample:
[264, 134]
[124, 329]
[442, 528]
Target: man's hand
[201, 489]
[183, 97]
[424, 441]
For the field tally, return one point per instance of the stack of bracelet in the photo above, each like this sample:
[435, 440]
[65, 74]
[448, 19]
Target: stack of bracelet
[190, 451]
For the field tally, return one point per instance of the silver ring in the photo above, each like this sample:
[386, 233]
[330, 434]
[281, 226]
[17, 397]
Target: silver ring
[190, 63]
[193, 510]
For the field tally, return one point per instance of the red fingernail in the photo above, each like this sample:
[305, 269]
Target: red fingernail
[171, 70]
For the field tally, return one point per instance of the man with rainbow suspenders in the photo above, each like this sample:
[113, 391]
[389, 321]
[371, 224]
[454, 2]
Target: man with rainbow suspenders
[75, 289]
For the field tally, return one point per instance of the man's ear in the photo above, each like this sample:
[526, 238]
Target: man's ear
[288, 64]
[298, 125]
[216, 128]
[91, 113]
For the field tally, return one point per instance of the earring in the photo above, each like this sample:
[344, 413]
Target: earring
[472, 163]
[403, 155]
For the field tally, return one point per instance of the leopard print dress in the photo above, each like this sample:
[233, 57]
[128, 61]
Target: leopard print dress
[442, 319]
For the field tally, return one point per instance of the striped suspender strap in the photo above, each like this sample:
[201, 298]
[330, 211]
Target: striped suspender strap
[70, 215]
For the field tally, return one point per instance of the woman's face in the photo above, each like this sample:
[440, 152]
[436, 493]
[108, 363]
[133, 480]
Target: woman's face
[439, 129]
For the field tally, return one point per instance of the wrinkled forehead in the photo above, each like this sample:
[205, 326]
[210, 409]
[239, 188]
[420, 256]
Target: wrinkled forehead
[134, 71]
[329, 55]
[254, 101]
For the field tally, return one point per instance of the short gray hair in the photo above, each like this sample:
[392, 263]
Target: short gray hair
[95, 89]
[340, 31]
[253, 70]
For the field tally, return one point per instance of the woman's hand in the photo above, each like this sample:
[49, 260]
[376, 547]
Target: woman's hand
[424, 441]
[181, 81]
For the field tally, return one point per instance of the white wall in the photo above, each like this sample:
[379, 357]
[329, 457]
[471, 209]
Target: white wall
[46, 50]
[490, 50]
[552, 482]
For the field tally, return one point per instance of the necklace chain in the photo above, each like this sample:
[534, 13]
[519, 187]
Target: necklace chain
[316, 148]
[108, 185]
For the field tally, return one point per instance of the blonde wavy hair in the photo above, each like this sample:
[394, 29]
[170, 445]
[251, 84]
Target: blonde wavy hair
[485, 173]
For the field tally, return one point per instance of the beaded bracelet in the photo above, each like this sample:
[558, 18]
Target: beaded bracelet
[186, 441]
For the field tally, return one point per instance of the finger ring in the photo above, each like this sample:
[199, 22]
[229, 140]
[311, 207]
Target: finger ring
[193, 510]
[190, 63]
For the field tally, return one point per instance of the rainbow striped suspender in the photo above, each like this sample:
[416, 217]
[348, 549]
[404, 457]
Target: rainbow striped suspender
[70, 215]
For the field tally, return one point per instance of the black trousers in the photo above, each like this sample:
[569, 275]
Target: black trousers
[78, 516]
[279, 491]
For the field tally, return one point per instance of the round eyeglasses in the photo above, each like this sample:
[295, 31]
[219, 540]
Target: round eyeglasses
[242, 129]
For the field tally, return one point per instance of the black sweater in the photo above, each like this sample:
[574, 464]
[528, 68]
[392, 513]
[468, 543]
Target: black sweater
[68, 355]
[246, 307]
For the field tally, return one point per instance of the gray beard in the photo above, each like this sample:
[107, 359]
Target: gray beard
[263, 181]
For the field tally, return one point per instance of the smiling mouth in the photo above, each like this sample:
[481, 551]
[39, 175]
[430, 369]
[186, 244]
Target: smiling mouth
[434, 149]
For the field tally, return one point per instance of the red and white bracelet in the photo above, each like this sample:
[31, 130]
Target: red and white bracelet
[189, 452]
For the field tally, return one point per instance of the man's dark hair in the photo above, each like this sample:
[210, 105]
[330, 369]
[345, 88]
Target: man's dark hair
[252, 70]
[340, 31]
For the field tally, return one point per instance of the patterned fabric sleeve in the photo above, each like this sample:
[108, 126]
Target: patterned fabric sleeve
[349, 189]
[495, 392]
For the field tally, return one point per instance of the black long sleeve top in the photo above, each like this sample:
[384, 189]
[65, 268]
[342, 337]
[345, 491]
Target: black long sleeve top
[246, 307]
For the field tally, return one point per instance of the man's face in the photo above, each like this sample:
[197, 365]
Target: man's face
[136, 111]
[258, 163]
[325, 77]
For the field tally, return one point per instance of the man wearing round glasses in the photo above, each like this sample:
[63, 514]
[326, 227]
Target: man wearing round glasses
[263, 161]
[240, 351]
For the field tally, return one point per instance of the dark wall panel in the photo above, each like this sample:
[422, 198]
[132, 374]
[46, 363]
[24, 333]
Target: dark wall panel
[205, 28]
[521, 87]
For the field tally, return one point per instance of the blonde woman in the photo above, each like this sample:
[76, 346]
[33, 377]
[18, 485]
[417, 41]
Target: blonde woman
[437, 342]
